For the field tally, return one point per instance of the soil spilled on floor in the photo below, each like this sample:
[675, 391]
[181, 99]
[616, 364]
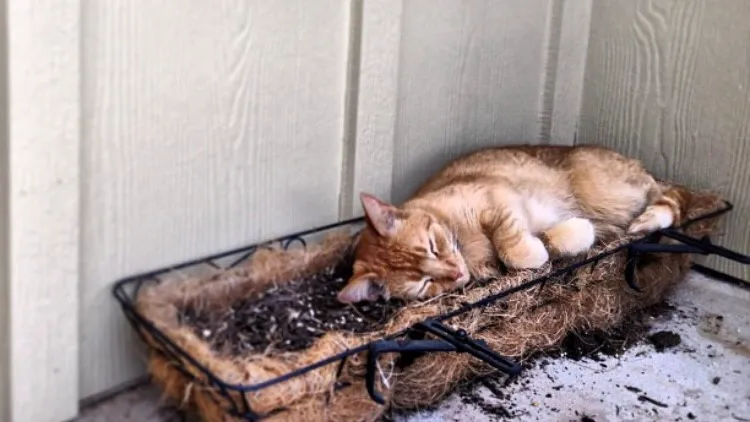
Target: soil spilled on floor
[594, 345]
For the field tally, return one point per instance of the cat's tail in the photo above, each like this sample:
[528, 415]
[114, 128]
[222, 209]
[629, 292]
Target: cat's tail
[667, 206]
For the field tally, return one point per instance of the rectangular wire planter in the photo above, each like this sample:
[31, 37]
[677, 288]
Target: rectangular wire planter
[427, 336]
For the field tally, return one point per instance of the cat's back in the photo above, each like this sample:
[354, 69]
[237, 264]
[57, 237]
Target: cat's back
[542, 164]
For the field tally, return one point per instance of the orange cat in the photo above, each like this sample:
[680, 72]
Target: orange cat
[516, 204]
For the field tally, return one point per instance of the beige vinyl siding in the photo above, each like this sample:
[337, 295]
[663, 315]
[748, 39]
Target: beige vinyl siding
[669, 82]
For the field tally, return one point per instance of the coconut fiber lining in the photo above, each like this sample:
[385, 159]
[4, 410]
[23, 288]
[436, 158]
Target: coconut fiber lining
[523, 323]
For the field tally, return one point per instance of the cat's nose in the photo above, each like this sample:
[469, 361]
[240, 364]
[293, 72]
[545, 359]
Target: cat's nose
[459, 274]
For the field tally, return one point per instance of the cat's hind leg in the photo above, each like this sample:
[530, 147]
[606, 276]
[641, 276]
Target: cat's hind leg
[655, 217]
[666, 208]
[570, 237]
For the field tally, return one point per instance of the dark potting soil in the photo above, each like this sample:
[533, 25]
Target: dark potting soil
[615, 341]
[663, 340]
[288, 317]
[593, 344]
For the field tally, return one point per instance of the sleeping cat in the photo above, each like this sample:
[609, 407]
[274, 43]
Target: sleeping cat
[518, 204]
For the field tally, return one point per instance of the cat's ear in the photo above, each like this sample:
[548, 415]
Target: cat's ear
[380, 214]
[360, 288]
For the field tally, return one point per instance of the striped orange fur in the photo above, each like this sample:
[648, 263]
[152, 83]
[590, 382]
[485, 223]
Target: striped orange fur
[517, 204]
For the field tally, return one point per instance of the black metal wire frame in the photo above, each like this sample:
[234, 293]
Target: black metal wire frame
[410, 342]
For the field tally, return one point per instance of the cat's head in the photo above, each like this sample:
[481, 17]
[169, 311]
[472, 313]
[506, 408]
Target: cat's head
[405, 254]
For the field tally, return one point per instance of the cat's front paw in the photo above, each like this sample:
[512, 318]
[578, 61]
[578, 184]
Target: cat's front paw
[571, 237]
[529, 253]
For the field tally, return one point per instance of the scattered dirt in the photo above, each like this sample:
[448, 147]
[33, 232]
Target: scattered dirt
[488, 407]
[662, 340]
[576, 346]
[593, 344]
[614, 342]
[496, 407]
[714, 327]
[288, 317]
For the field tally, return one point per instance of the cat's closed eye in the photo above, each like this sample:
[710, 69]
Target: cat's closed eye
[433, 248]
[425, 284]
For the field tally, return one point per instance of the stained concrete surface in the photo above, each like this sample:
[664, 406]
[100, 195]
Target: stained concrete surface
[705, 378]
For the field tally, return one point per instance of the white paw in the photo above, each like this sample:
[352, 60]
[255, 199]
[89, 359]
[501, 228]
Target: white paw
[653, 219]
[573, 236]
[530, 253]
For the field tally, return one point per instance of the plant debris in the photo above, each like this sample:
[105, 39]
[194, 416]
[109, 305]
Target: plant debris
[288, 317]
[633, 389]
[645, 398]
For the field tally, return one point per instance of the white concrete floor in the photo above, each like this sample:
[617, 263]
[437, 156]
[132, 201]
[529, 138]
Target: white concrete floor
[706, 377]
